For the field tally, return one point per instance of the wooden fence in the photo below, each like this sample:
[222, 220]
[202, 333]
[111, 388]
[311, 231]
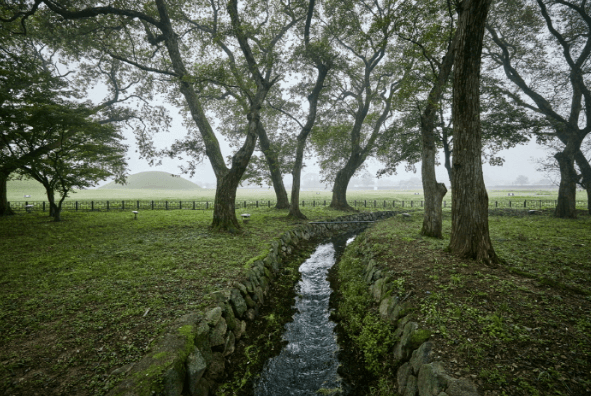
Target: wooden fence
[208, 205]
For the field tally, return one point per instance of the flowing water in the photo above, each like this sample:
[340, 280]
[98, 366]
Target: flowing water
[308, 363]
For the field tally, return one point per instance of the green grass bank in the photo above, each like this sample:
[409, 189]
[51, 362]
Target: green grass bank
[521, 328]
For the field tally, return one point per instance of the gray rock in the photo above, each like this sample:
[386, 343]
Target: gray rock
[201, 388]
[173, 380]
[403, 348]
[221, 296]
[228, 314]
[402, 375]
[213, 317]
[433, 379]
[249, 302]
[217, 335]
[387, 307]
[411, 386]
[196, 366]
[258, 292]
[462, 387]
[249, 286]
[379, 289]
[238, 303]
[229, 345]
[240, 329]
[240, 287]
[421, 356]
[250, 314]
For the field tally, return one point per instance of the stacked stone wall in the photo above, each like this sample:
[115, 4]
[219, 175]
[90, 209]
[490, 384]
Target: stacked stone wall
[191, 358]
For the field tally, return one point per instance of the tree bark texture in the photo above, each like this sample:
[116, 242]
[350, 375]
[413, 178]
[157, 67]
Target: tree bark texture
[585, 168]
[469, 235]
[433, 191]
[339, 190]
[4, 207]
[273, 163]
[567, 191]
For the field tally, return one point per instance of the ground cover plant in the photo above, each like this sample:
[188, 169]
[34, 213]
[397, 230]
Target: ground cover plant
[81, 299]
[520, 328]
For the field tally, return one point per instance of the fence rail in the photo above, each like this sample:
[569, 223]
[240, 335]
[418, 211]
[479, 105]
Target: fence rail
[208, 205]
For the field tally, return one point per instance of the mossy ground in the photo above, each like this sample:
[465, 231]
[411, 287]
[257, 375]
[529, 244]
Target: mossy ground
[521, 328]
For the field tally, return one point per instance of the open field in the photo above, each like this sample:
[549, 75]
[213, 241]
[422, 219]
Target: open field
[18, 189]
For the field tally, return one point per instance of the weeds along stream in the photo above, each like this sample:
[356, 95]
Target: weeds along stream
[295, 354]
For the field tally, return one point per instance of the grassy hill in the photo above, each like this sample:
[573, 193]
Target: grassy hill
[153, 180]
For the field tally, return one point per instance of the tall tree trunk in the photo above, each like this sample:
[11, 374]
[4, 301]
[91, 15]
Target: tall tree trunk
[586, 175]
[339, 190]
[469, 235]
[567, 191]
[294, 208]
[5, 209]
[433, 191]
[274, 169]
[224, 213]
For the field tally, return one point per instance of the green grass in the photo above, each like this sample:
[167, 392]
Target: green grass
[520, 328]
[87, 295]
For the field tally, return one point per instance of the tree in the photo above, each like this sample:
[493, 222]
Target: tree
[93, 153]
[38, 94]
[364, 91]
[184, 44]
[526, 35]
[469, 235]
[521, 180]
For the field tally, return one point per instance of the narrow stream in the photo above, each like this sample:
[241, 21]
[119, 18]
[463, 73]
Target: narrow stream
[308, 363]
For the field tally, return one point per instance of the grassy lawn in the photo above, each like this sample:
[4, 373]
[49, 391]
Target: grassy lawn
[521, 328]
[81, 298]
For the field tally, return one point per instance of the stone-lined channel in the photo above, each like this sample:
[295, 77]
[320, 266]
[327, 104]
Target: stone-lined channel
[308, 363]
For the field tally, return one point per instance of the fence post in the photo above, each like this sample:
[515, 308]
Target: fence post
[257, 204]
[525, 203]
[509, 203]
[123, 205]
[355, 203]
[403, 204]
[411, 203]
[206, 204]
[540, 204]
[269, 203]
[44, 206]
[180, 204]
[496, 204]
[325, 202]
[365, 201]
[393, 203]
[166, 205]
[303, 203]
[375, 203]
[245, 204]
[384, 204]
[107, 205]
[152, 205]
[91, 206]
[76, 205]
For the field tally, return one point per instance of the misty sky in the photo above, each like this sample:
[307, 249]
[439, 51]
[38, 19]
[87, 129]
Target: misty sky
[518, 161]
